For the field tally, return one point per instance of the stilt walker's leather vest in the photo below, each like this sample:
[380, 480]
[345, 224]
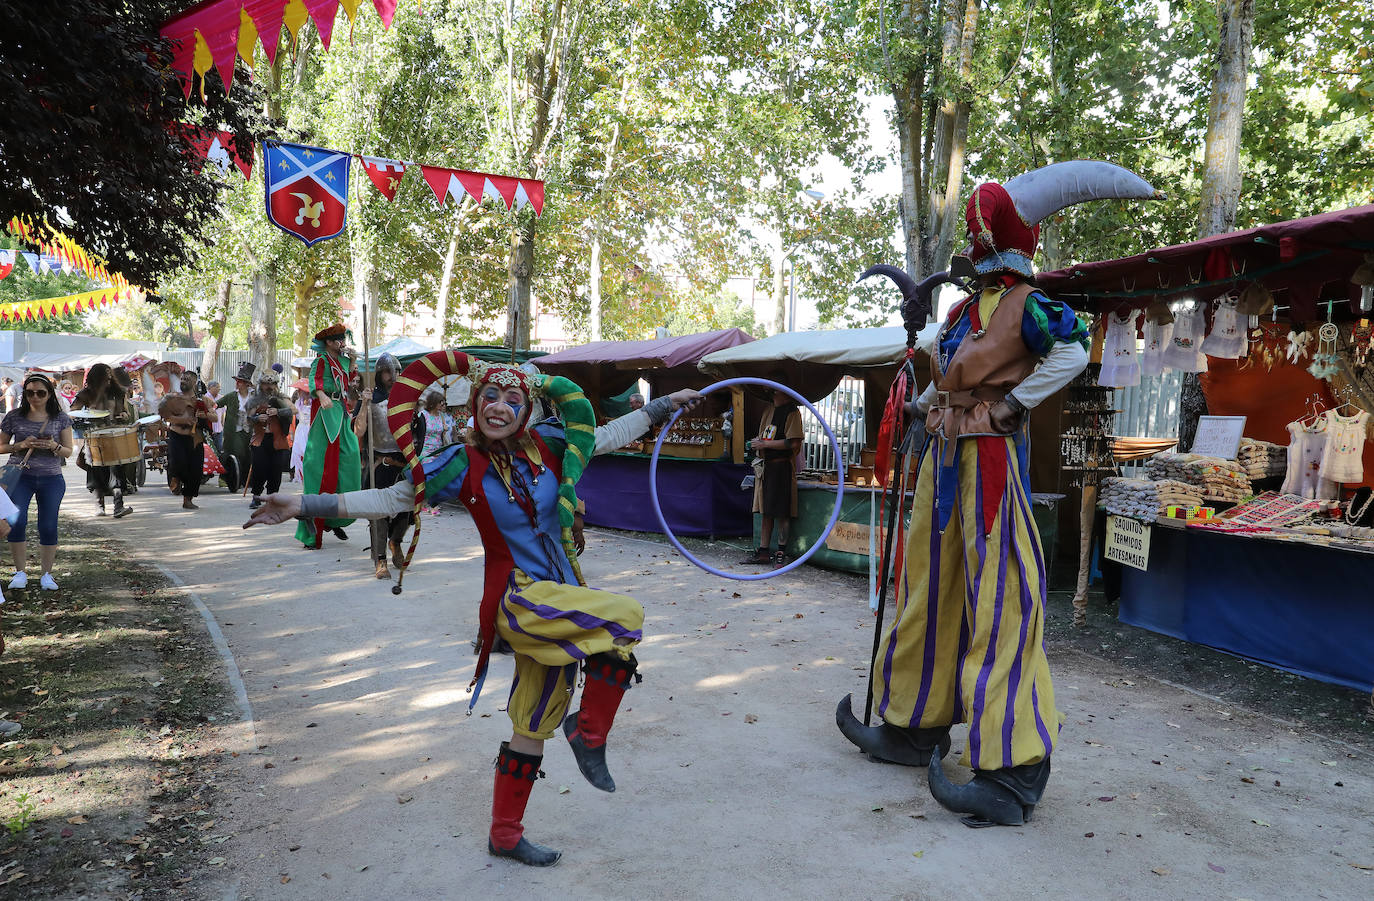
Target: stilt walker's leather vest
[985, 367]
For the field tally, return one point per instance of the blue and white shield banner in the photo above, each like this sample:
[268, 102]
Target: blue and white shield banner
[307, 190]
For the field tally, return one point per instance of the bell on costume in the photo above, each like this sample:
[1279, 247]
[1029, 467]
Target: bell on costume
[1004, 797]
[887, 743]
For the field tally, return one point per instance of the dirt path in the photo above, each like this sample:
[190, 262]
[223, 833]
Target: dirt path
[362, 778]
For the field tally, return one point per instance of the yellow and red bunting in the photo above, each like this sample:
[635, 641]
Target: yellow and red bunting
[68, 251]
[212, 34]
[29, 310]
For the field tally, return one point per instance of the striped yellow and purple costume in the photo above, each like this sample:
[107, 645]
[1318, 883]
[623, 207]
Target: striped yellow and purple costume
[966, 644]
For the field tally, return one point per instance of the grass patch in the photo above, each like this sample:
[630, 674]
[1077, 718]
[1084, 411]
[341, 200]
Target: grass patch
[109, 789]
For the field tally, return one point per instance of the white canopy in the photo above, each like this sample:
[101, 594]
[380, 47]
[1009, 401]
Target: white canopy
[857, 348]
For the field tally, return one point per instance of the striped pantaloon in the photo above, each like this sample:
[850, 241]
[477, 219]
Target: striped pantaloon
[552, 627]
[966, 643]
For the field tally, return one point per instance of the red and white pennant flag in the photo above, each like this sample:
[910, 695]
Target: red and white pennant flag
[385, 174]
[513, 192]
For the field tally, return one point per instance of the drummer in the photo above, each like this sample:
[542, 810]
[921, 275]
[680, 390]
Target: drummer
[103, 394]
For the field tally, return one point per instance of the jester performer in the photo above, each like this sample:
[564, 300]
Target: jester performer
[518, 480]
[332, 464]
[966, 643]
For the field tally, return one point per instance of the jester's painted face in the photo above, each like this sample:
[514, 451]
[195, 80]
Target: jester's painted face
[501, 410]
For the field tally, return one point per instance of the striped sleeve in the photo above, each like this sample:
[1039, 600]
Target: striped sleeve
[444, 473]
[1048, 322]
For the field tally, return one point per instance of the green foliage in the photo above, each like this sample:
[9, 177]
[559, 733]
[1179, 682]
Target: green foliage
[22, 818]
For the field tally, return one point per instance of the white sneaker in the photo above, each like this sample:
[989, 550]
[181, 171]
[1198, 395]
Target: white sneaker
[47, 583]
[20, 580]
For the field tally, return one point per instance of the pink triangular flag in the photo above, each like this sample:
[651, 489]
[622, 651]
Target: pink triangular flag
[267, 15]
[386, 9]
[323, 12]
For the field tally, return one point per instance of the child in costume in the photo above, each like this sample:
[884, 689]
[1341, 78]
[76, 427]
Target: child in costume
[517, 480]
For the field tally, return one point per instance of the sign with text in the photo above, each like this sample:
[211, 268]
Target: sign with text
[853, 538]
[1128, 542]
[1219, 436]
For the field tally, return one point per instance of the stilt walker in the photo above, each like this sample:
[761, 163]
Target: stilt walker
[332, 464]
[518, 480]
[966, 642]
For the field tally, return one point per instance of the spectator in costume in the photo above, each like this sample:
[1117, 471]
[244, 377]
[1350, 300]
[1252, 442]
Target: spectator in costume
[188, 418]
[331, 464]
[271, 416]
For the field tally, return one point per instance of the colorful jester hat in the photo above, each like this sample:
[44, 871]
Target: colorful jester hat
[579, 422]
[1004, 220]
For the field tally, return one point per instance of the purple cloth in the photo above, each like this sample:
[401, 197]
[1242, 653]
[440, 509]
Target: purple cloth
[19, 427]
[699, 497]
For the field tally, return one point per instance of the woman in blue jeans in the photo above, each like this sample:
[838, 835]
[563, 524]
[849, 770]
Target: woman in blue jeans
[38, 438]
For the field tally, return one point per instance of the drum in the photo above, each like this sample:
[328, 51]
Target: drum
[113, 446]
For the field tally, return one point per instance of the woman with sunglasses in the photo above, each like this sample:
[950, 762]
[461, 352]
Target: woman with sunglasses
[38, 438]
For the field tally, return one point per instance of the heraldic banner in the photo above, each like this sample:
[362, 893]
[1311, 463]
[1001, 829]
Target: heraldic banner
[307, 190]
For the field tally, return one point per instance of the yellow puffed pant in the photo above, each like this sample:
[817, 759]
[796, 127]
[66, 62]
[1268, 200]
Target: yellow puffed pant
[966, 644]
[552, 627]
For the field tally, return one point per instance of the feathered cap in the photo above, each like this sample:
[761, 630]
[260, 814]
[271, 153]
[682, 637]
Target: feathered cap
[1004, 220]
[579, 421]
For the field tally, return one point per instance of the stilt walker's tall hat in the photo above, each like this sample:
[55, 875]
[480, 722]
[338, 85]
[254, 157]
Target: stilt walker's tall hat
[1004, 220]
[579, 422]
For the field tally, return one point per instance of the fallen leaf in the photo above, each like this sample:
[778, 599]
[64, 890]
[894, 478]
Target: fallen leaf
[1161, 871]
[1363, 866]
[750, 718]
[563, 789]
[78, 820]
[1089, 834]
[217, 861]
[361, 868]
[404, 799]
[1247, 780]
[918, 854]
[285, 879]
[68, 832]
[798, 616]
[1214, 868]
[1259, 822]
[1328, 763]
[876, 808]
[1107, 798]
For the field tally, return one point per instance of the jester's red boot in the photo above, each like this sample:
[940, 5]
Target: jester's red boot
[515, 775]
[607, 679]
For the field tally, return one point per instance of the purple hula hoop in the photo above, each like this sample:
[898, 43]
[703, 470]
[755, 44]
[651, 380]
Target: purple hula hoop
[839, 488]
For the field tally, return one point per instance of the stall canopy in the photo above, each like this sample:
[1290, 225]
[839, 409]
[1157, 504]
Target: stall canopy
[608, 368]
[61, 362]
[1301, 261]
[812, 363]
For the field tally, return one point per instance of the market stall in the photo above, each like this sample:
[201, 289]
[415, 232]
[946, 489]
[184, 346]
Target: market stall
[701, 467]
[1256, 536]
[813, 364]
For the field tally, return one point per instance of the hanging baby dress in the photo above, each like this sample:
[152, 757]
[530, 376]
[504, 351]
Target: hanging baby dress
[1184, 350]
[1157, 338]
[1343, 455]
[1305, 447]
[1120, 365]
[1227, 340]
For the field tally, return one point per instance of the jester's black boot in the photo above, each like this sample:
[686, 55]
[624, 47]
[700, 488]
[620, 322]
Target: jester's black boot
[1004, 797]
[887, 743]
[515, 775]
[608, 677]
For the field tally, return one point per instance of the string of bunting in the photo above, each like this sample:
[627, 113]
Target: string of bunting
[61, 252]
[213, 34]
[307, 187]
[29, 310]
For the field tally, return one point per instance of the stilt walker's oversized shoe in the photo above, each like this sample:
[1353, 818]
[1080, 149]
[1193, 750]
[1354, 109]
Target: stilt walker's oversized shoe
[515, 775]
[608, 677]
[1004, 797]
[887, 743]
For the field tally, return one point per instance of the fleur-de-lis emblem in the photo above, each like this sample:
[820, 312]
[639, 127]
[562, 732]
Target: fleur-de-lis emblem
[310, 209]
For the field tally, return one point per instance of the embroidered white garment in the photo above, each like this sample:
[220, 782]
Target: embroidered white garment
[1227, 340]
[1157, 338]
[1184, 350]
[1120, 364]
[1305, 448]
[1343, 455]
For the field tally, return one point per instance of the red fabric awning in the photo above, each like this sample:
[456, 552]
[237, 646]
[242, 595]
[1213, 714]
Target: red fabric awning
[1301, 261]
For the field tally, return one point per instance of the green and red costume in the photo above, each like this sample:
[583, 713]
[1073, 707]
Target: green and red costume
[332, 464]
